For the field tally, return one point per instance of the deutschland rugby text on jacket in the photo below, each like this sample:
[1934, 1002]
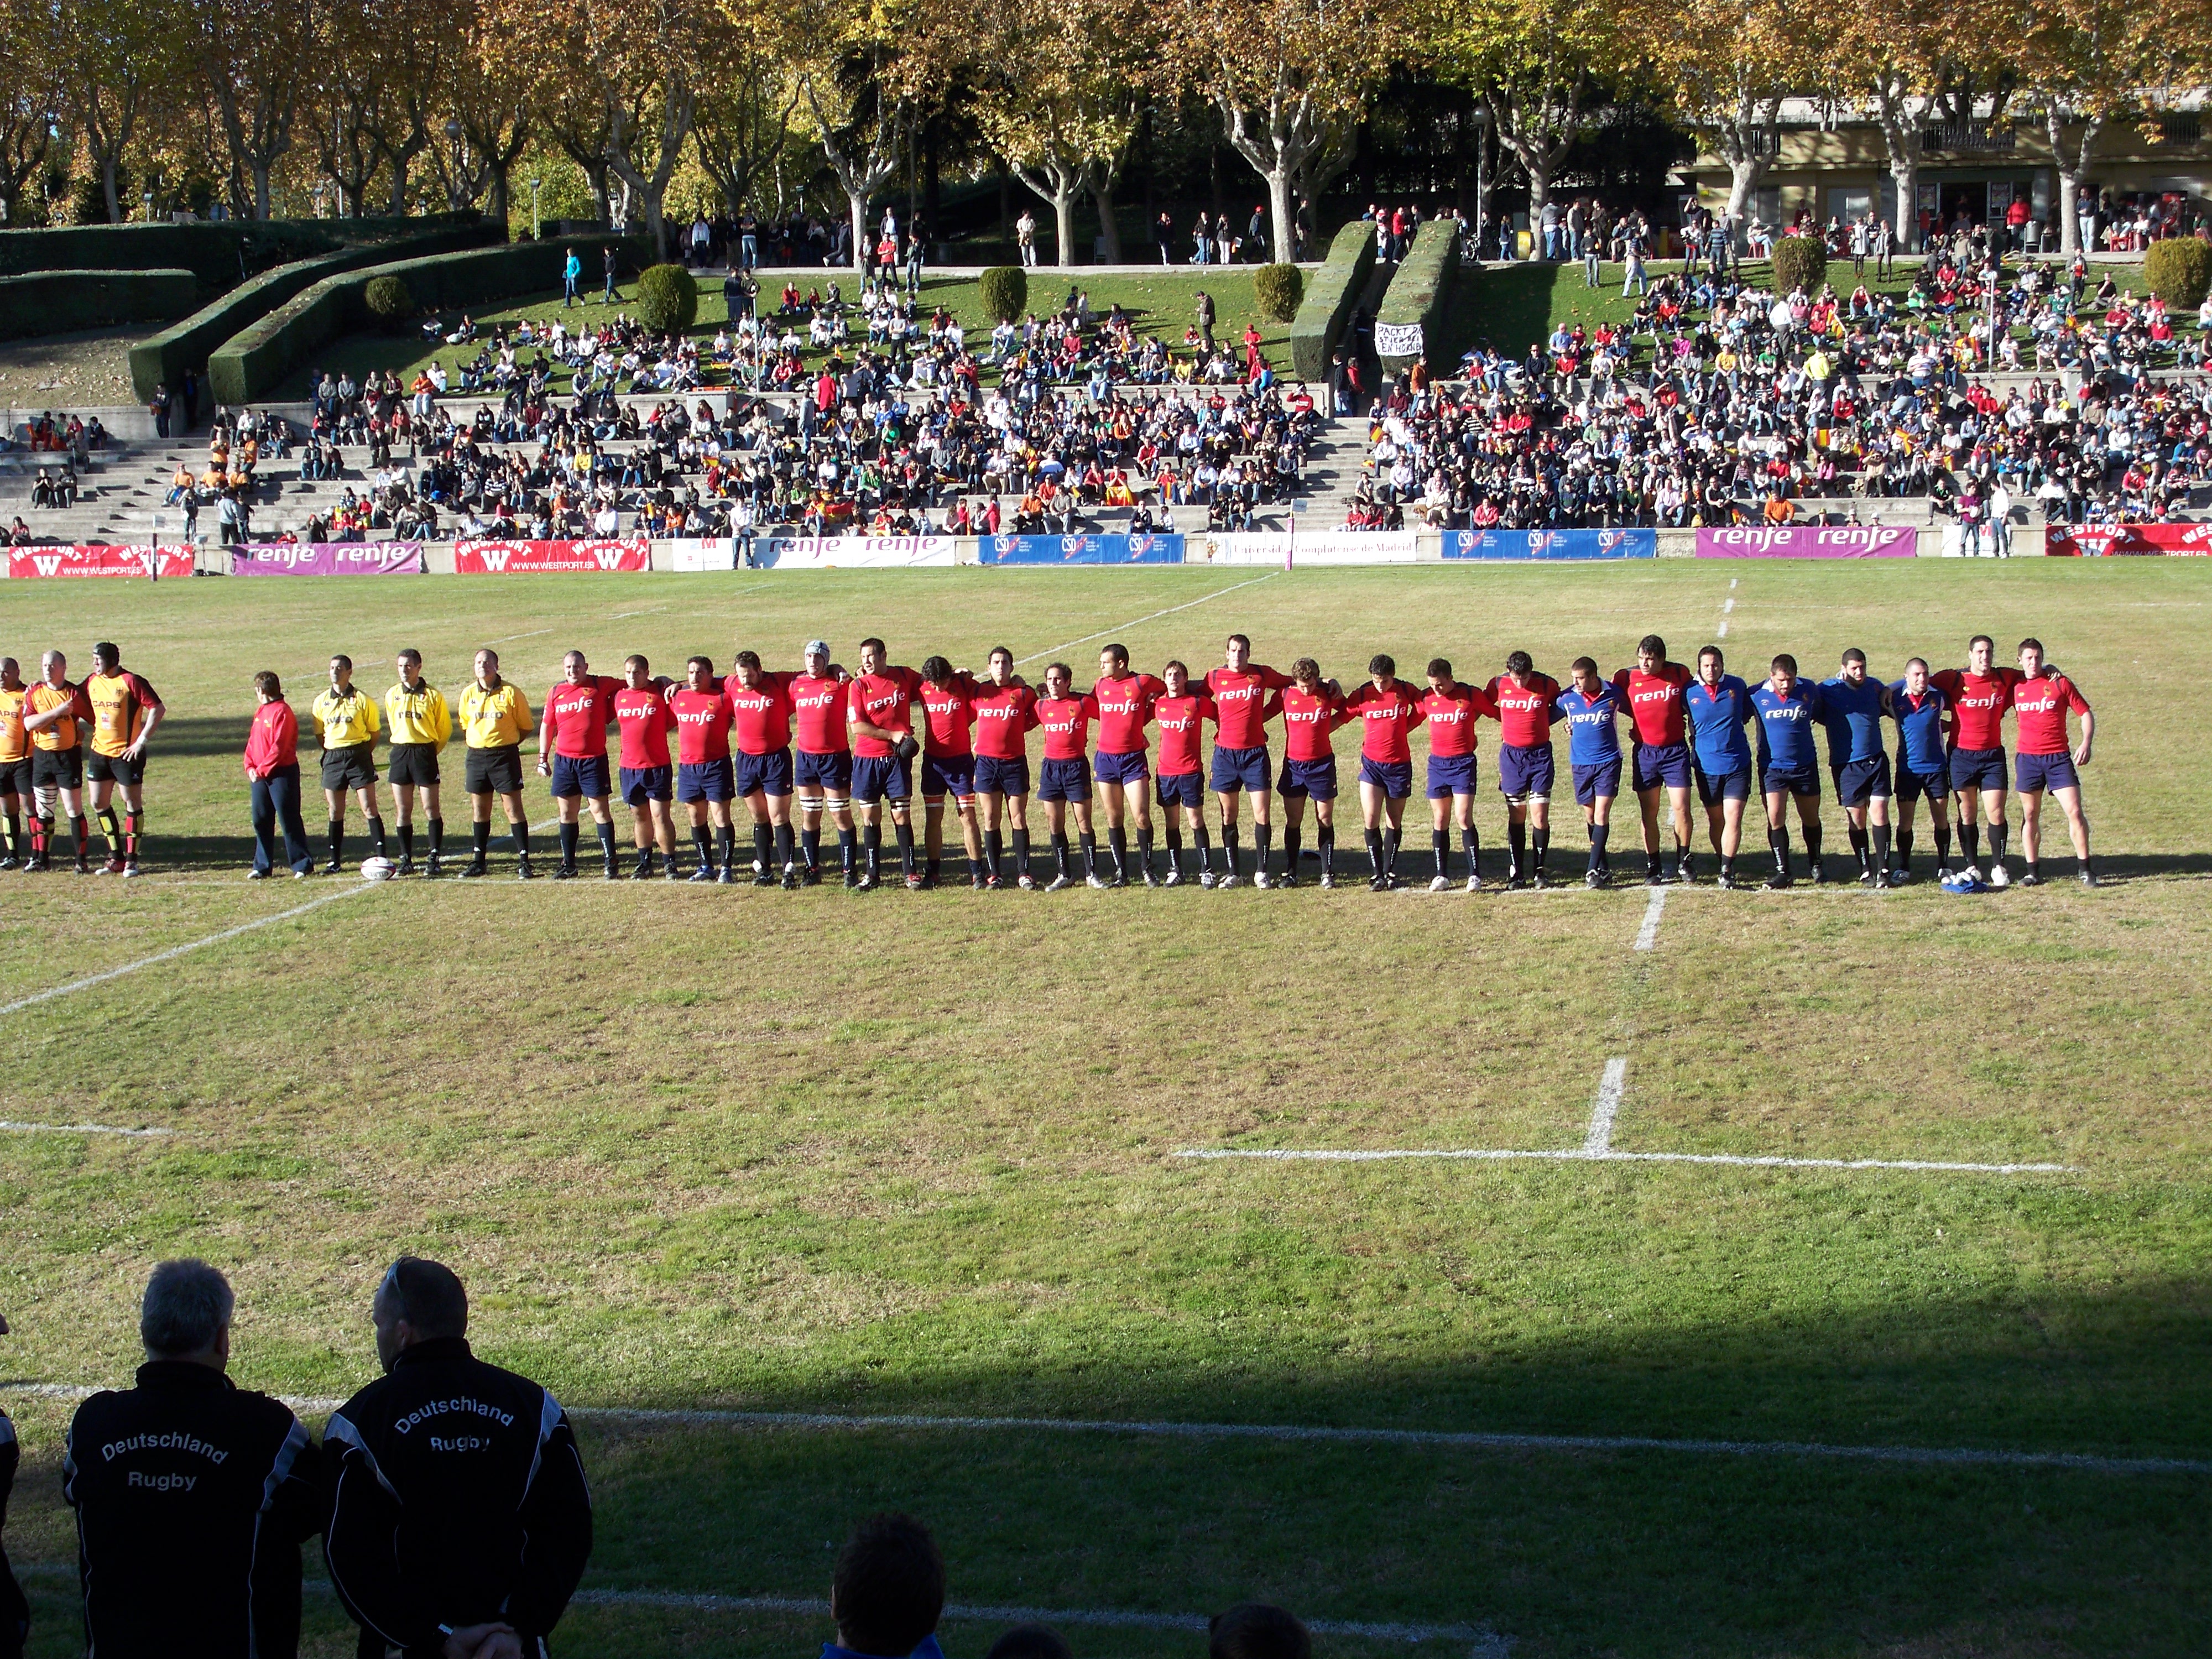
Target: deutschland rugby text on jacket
[459, 1499]
[193, 1499]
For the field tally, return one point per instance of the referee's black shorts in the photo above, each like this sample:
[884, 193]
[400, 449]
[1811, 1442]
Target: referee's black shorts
[495, 771]
[353, 767]
[412, 763]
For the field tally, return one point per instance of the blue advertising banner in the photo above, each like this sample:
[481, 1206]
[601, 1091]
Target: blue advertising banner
[1082, 550]
[1551, 545]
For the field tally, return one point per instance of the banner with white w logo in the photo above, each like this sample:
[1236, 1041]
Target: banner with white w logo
[512, 558]
[99, 561]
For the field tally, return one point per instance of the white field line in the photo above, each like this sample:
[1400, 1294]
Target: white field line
[1473, 1439]
[1599, 1137]
[1727, 605]
[79, 1130]
[1721, 633]
[509, 639]
[1140, 622]
[1647, 934]
[176, 951]
[1585, 1155]
[1488, 1644]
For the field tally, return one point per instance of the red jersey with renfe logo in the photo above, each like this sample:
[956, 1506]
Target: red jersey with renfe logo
[1240, 700]
[1523, 711]
[1979, 703]
[817, 706]
[646, 720]
[1179, 719]
[1308, 718]
[1066, 723]
[1004, 716]
[1655, 702]
[577, 716]
[2041, 705]
[1125, 707]
[950, 712]
[760, 718]
[883, 699]
[702, 724]
[1388, 714]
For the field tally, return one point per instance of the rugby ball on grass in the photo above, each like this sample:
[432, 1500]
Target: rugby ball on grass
[378, 869]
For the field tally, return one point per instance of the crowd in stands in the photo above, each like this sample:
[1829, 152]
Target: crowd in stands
[450, 1495]
[1717, 404]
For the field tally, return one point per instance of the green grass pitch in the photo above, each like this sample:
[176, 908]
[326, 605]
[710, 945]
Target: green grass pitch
[917, 1154]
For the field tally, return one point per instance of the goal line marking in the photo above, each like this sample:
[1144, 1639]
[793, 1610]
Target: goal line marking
[78, 1129]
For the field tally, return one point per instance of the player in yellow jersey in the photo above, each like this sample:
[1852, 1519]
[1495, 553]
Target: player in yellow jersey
[15, 763]
[349, 722]
[125, 710]
[495, 717]
[421, 726]
[55, 715]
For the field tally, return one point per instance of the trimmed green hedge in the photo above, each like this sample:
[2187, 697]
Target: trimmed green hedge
[1330, 298]
[221, 254]
[1421, 291]
[62, 301]
[164, 359]
[252, 362]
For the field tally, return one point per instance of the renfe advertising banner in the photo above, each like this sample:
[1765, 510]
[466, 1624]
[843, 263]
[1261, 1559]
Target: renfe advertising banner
[851, 552]
[697, 553]
[1082, 550]
[327, 559]
[515, 558]
[2107, 540]
[1315, 547]
[1809, 541]
[1552, 544]
[103, 560]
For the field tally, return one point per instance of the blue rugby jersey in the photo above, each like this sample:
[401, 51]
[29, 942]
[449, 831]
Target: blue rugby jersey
[1718, 714]
[1593, 737]
[1785, 726]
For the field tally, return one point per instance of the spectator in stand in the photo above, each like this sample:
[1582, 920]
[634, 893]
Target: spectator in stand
[272, 770]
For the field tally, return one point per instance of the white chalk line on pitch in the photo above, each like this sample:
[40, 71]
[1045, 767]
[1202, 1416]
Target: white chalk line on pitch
[1599, 1138]
[1647, 934]
[176, 951]
[1583, 1155]
[1140, 621]
[1488, 1644]
[79, 1129]
[1467, 1439]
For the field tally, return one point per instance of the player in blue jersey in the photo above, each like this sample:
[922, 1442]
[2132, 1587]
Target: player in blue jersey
[1787, 709]
[1922, 712]
[1719, 708]
[1855, 704]
[1591, 708]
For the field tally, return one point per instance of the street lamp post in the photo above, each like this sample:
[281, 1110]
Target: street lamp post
[534, 235]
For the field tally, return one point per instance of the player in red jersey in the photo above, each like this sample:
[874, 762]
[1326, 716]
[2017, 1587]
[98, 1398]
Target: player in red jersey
[1387, 709]
[1451, 707]
[647, 776]
[1180, 712]
[1005, 713]
[760, 731]
[705, 781]
[1312, 710]
[948, 767]
[1979, 694]
[1123, 765]
[1654, 691]
[571, 751]
[879, 716]
[824, 775]
[2044, 761]
[1523, 700]
[1243, 694]
[1064, 779]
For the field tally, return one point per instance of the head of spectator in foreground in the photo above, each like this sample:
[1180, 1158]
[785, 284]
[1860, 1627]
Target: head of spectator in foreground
[1031, 1642]
[419, 1301]
[1257, 1630]
[186, 1314]
[889, 1589]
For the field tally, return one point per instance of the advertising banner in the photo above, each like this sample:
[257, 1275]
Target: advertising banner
[327, 559]
[514, 558]
[2111, 540]
[101, 561]
[1551, 545]
[1809, 541]
[695, 553]
[1082, 550]
[851, 552]
[1316, 547]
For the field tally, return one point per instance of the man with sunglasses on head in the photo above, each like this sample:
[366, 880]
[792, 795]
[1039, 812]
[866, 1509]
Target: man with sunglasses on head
[459, 1521]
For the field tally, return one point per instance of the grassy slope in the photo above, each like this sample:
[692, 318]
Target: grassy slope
[1163, 305]
[878, 1154]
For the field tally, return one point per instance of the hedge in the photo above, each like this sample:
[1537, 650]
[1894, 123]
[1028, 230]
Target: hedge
[1421, 291]
[252, 362]
[62, 301]
[1330, 298]
[221, 255]
[163, 360]
[2178, 270]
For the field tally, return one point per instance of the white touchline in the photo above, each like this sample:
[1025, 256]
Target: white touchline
[1608, 1107]
[176, 951]
[1647, 934]
[534, 633]
[1473, 1439]
[1728, 605]
[1731, 581]
[1583, 1155]
[78, 1129]
[1140, 621]
[1721, 633]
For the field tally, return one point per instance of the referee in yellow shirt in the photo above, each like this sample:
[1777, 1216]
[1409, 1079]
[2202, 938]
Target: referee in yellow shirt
[495, 717]
[347, 718]
[421, 725]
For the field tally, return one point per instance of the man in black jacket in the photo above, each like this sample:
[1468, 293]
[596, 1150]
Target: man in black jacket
[192, 1496]
[15, 1611]
[460, 1522]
